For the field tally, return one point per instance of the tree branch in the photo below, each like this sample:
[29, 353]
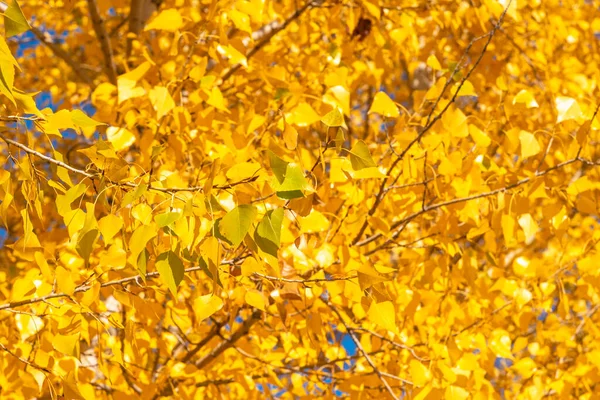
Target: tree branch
[267, 38]
[364, 353]
[45, 38]
[170, 190]
[100, 29]
[431, 122]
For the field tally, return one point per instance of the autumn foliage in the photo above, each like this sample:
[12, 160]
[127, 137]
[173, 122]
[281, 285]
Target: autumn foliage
[299, 199]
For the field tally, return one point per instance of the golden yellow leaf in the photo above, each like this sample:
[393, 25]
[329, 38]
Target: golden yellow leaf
[384, 315]
[205, 306]
[529, 145]
[383, 105]
[255, 299]
[420, 375]
[168, 20]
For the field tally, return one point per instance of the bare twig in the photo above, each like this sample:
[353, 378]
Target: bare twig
[462, 200]
[85, 288]
[364, 353]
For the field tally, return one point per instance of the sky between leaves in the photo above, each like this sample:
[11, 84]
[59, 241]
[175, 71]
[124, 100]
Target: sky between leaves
[290, 199]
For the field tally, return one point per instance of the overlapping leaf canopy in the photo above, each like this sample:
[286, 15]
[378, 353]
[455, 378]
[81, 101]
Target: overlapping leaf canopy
[299, 199]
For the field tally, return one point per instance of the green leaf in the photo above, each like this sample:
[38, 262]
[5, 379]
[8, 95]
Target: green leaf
[360, 157]
[14, 20]
[166, 218]
[234, 226]
[289, 180]
[210, 270]
[339, 139]
[171, 270]
[278, 166]
[333, 119]
[142, 263]
[85, 244]
[268, 232]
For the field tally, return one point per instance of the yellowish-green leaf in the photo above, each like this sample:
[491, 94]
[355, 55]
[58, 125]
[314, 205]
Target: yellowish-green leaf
[360, 156]
[171, 270]
[529, 145]
[14, 20]
[333, 119]
[234, 226]
[161, 100]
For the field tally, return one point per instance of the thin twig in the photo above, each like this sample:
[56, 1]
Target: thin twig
[364, 353]
[265, 40]
[431, 122]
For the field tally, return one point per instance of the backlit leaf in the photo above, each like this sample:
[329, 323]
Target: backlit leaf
[383, 105]
[171, 270]
[234, 226]
[360, 156]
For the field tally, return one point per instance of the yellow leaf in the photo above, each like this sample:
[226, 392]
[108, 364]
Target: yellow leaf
[466, 89]
[522, 297]
[28, 325]
[333, 119]
[120, 138]
[109, 226]
[456, 393]
[455, 122]
[234, 56]
[240, 20]
[433, 62]
[161, 101]
[64, 281]
[44, 267]
[216, 100]
[205, 306]
[525, 367]
[67, 344]
[242, 171]
[168, 20]
[526, 98]
[508, 228]
[255, 299]
[383, 105]
[419, 373]
[314, 222]
[529, 226]
[290, 137]
[529, 145]
[303, 115]
[479, 137]
[500, 343]
[250, 266]
[383, 314]
[567, 108]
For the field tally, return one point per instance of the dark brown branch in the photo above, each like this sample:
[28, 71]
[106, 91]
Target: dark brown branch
[267, 38]
[100, 29]
[47, 40]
